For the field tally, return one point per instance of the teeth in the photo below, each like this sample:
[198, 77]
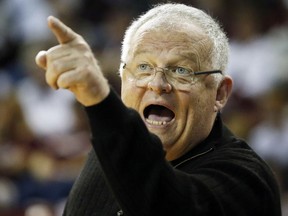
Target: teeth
[156, 122]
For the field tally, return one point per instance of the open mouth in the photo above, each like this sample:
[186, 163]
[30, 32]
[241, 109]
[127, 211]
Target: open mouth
[158, 115]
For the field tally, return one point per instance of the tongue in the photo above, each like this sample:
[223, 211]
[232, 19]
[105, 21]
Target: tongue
[160, 114]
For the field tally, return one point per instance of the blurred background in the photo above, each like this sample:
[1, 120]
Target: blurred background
[44, 136]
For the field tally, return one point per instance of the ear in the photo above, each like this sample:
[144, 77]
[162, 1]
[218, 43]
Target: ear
[223, 93]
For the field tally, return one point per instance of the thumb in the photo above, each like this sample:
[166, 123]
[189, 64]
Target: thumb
[63, 33]
[41, 60]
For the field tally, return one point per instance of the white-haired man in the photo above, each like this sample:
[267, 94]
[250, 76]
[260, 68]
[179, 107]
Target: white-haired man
[162, 149]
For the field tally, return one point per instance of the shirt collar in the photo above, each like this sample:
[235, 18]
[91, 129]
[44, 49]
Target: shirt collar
[219, 134]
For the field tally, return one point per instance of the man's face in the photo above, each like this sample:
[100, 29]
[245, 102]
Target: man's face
[180, 118]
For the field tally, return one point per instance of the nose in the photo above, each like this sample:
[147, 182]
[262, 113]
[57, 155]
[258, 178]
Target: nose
[159, 83]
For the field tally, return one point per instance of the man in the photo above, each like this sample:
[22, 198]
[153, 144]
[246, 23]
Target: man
[173, 84]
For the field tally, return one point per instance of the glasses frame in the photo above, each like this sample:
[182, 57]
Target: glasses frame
[195, 73]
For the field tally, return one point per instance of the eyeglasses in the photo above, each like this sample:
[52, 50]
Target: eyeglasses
[180, 77]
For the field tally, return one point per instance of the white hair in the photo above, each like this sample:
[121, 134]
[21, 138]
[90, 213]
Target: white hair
[181, 14]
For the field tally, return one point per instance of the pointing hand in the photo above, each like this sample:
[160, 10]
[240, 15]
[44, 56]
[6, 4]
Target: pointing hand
[72, 65]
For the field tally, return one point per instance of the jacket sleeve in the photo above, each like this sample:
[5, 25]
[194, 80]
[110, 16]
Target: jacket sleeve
[144, 183]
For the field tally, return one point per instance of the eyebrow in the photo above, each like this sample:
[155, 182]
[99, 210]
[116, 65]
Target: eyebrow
[189, 55]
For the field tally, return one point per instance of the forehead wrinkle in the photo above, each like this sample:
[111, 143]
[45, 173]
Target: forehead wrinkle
[204, 50]
[157, 40]
[179, 49]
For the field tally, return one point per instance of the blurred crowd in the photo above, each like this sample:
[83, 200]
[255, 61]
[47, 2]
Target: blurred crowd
[44, 136]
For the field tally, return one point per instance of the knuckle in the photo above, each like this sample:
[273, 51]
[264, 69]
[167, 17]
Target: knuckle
[84, 70]
[88, 56]
[62, 82]
[51, 52]
[56, 66]
[80, 72]
[82, 45]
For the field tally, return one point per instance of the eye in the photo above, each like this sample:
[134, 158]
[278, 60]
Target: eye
[144, 67]
[181, 71]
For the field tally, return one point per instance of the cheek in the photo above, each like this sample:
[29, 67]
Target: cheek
[130, 94]
[199, 119]
[201, 106]
[207, 96]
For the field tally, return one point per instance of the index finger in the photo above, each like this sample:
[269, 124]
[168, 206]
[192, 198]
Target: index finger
[63, 33]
